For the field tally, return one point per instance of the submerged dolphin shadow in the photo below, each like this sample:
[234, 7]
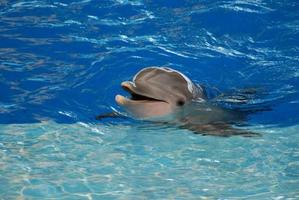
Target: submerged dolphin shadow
[166, 96]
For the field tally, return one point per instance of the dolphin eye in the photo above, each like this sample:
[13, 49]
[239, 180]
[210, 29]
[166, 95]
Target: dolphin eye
[180, 103]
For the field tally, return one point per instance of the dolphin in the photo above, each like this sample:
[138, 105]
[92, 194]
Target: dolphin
[166, 95]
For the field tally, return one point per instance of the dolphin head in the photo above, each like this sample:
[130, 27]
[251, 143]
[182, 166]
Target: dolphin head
[158, 92]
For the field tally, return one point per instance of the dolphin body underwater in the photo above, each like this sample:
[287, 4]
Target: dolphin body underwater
[164, 95]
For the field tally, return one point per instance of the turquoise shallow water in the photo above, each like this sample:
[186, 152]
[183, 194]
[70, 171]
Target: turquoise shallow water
[62, 62]
[82, 161]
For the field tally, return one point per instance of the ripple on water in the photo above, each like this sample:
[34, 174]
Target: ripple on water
[63, 62]
[67, 160]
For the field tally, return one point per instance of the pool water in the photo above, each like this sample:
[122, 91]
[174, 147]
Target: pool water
[62, 62]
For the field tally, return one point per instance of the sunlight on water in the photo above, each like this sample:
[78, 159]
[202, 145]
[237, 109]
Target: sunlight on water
[62, 62]
[99, 161]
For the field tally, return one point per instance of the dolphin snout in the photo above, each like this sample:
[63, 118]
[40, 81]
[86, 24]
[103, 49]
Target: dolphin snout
[120, 99]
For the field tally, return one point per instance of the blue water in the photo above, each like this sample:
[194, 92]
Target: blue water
[62, 62]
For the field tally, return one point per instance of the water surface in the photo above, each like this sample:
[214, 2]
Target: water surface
[61, 63]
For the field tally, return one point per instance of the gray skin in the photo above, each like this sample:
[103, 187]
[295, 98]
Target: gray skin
[165, 95]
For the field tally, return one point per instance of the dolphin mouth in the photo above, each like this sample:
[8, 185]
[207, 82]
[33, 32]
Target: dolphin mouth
[135, 96]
